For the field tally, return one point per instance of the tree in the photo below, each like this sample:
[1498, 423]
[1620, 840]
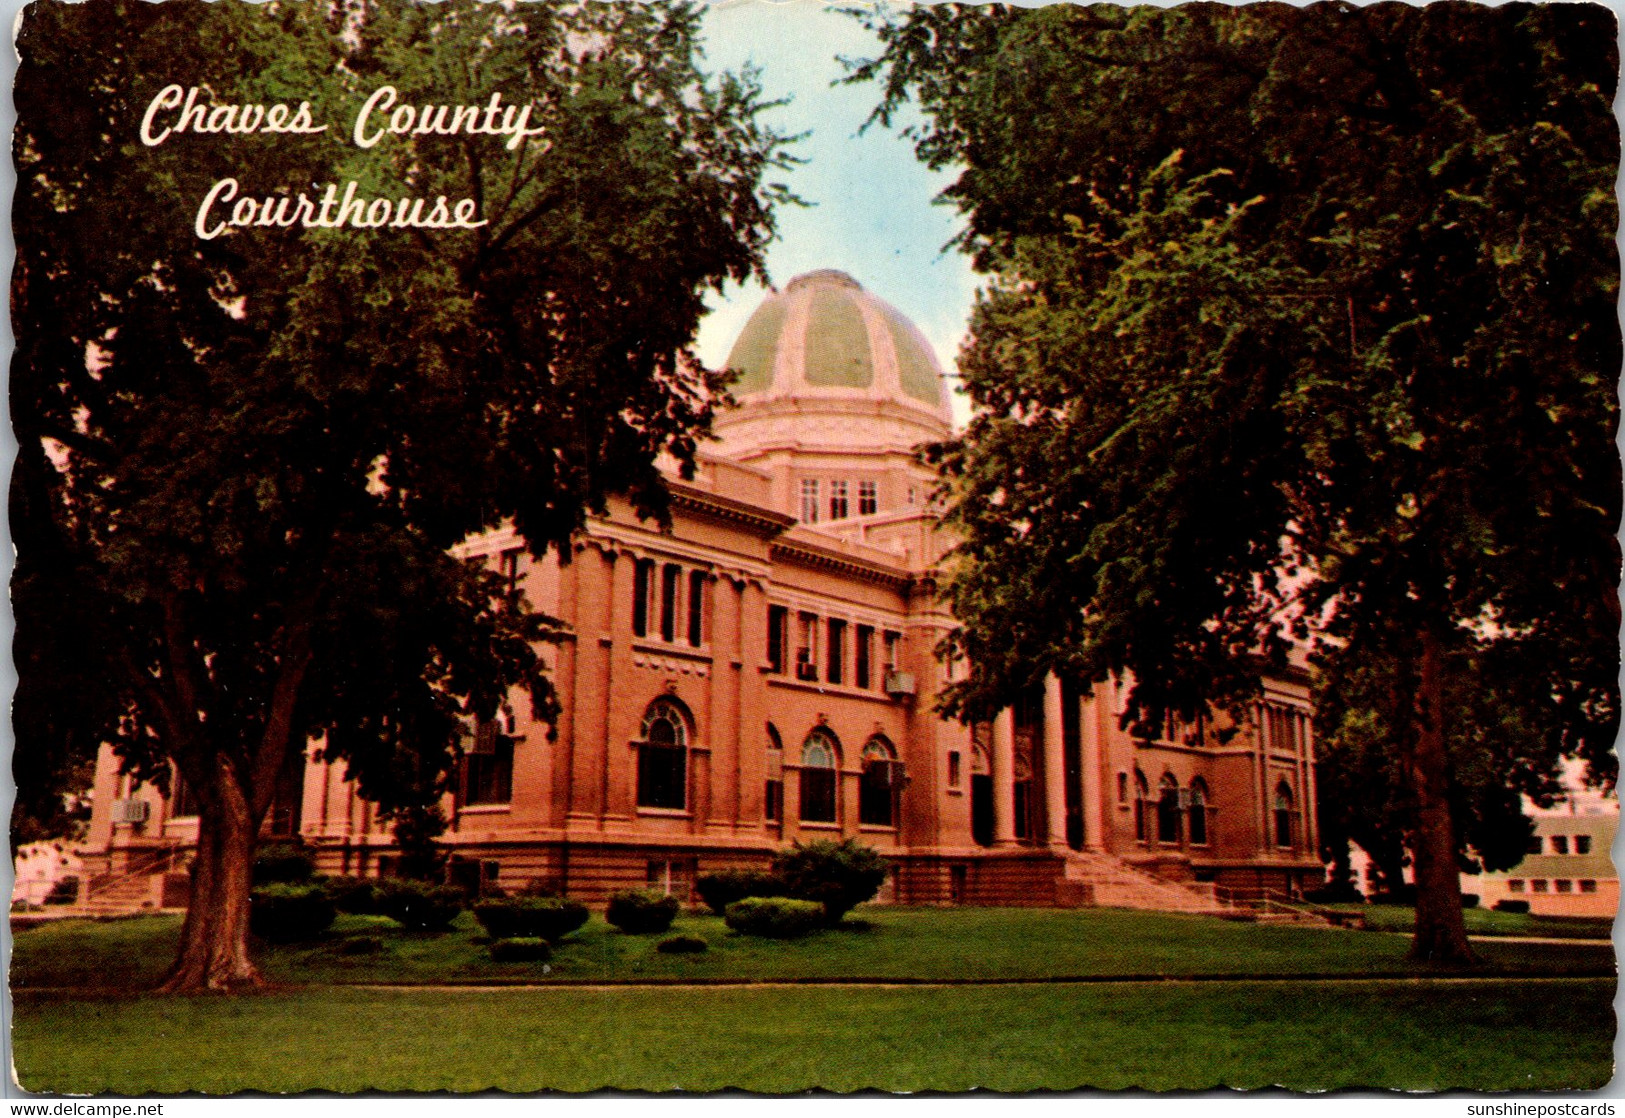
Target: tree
[1301, 327]
[247, 448]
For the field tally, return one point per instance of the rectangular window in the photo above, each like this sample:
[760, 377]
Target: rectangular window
[809, 500]
[1122, 788]
[868, 498]
[662, 775]
[1560, 844]
[953, 768]
[509, 568]
[835, 665]
[777, 623]
[837, 500]
[696, 608]
[1564, 885]
[1587, 885]
[1582, 844]
[669, 580]
[488, 767]
[862, 656]
[1534, 846]
[817, 795]
[1515, 885]
[892, 642]
[1538, 885]
[773, 801]
[643, 576]
[807, 650]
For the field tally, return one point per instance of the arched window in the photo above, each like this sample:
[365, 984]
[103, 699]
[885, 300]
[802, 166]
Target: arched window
[663, 757]
[773, 801]
[1283, 815]
[1022, 795]
[879, 784]
[818, 761]
[1198, 812]
[1142, 793]
[1168, 816]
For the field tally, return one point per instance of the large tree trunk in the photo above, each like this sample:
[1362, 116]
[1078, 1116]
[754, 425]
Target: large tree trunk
[1441, 931]
[214, 939]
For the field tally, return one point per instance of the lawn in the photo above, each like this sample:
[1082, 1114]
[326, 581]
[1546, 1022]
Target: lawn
[885, 943]
[1487, 922]
[1485, 1034]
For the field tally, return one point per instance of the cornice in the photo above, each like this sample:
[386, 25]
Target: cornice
[812, 555]
[753, 518]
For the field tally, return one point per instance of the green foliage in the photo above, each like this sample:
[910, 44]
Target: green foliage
[352, 894]
[283, 862]
[362, 945]
[837, 875]
[417, 905]
[641, 911]
[776, 917]
[417, 826]
[682, 944]
[547, 918]
[521, 949]
[1301, 327]
[719, 890]
[285, 912]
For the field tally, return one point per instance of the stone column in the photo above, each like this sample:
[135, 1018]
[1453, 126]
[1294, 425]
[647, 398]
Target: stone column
[1095, 793]
[1004, 778]
[1054, 764]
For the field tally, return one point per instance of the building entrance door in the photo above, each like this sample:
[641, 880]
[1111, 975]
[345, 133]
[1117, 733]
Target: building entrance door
[981, 809]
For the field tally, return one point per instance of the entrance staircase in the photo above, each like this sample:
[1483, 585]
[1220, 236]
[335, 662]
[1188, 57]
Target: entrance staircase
[1092, 878]
[137, 887]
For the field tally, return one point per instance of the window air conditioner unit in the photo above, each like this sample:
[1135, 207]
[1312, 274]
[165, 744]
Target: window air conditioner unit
[485, 738]
[130, 811]
[806, 670]
[899, 683]
[889, 773]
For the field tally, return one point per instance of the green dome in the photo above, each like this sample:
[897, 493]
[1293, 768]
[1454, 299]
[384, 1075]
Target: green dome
[824, 335]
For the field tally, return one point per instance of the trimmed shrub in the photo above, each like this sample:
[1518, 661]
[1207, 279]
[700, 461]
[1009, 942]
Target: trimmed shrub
[1342, 893]
[719, 890]
[283, 863]
[775, 917]
[361, 945]
[283, 913]
[1469, 900]
[641, 911]
[1511, 906]
[65, 891]
[417, 905]
[681, 945]
[1403, 895]
[838, 875]
[521, 949]
[547, 918]
[353, 894]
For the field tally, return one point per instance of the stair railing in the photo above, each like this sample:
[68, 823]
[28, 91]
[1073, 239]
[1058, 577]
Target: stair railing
[146, 865]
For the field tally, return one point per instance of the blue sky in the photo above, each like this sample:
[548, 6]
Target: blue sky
[872, 213]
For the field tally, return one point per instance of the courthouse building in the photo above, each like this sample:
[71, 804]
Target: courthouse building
[764, 672]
